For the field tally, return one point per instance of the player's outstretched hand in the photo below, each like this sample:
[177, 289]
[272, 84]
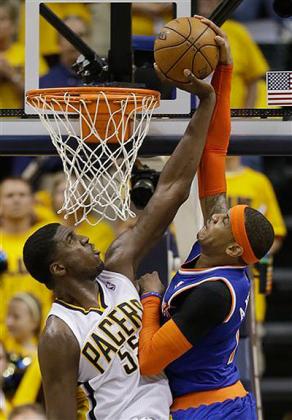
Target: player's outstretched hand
[194, 85]
[150, 283]
[221, 40]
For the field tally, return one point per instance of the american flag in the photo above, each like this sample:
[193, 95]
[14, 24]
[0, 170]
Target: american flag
[279, 87]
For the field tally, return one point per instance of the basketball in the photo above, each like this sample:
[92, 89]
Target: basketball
[186, 43]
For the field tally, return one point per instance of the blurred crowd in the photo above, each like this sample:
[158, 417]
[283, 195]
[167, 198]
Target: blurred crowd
[57, 55]
[26, 201]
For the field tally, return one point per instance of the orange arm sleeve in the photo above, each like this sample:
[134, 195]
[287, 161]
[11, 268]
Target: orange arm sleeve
[158, 346]
[212, 167]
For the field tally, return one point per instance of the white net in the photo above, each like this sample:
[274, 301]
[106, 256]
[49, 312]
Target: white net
[97, 172]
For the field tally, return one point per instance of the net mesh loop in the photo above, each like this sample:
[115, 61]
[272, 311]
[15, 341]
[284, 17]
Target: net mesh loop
[98, 149]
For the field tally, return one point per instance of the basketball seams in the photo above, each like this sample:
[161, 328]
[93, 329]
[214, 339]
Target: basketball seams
[205, 57]
[207, 61]
[191, 45]
[202, 53]
[193, 60]
[190, 30]
[188, 57]
[210, 65]
[174, 30]
[174, 45]
[190, 26]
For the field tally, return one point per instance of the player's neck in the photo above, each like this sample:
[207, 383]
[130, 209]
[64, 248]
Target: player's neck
[16, 226]
[207, 261]
[84, 295]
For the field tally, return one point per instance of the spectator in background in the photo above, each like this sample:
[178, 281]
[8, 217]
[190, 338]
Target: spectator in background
[102, 235]
[49, 43]
[27, 412]
[4, 404]
[23, 381]
[250, 67]
[23, 324]
[247, 186]
[12, 59]
[149, 18]
[61, 74]
[17, 222]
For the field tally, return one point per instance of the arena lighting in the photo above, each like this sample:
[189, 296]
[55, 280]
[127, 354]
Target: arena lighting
[283, 8]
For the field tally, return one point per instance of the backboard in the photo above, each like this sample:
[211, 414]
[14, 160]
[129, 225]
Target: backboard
[27, 135]
[179, 105]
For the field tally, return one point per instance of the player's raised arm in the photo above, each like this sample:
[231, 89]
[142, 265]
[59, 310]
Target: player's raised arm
[173, 187]
[59, 355]
[212, 182]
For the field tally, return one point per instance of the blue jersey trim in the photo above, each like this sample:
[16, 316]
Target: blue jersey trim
[210, 279]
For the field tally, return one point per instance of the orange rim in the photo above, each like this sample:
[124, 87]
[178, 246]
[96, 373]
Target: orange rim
[88, 93]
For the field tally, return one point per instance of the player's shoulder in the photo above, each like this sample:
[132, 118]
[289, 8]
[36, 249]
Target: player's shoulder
[57, 347]
[211, 296]
[55, 327]
[56, 333]
[218, 288]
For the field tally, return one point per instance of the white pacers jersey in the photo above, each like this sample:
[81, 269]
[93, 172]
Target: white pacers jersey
[108, 368]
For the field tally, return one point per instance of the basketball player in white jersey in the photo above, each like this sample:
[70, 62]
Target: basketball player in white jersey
[91, 334]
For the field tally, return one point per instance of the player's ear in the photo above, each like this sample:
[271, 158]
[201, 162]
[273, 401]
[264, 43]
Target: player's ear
[57, 269]
[234, 250]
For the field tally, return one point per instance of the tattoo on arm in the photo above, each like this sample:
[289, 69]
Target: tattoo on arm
[214, 204]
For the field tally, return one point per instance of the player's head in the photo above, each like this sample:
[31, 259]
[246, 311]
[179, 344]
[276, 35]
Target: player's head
[55, 254]
[242, 234]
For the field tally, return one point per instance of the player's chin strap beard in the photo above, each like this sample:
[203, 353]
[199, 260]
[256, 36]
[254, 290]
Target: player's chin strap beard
[237, 220]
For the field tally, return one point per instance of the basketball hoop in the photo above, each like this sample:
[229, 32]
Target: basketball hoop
[99, 147]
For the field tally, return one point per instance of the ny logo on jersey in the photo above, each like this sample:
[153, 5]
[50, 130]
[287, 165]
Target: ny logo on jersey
[243, 311]
[178, 284]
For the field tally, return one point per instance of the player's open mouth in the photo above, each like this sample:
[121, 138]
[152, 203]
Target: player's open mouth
[96, 253]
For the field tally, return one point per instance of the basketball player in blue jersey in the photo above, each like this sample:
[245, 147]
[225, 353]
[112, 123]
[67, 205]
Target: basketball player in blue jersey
[91, 335]
[206, 301]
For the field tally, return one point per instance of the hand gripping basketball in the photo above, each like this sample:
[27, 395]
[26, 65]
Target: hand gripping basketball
[186, 43]
[225, 56]
[194, 85]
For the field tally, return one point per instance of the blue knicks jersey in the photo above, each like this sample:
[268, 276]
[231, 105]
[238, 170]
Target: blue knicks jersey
[209, 364]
